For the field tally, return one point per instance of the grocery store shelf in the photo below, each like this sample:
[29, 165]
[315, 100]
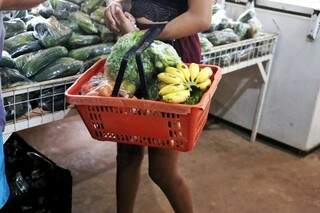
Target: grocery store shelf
[36, 104]
[234, 57]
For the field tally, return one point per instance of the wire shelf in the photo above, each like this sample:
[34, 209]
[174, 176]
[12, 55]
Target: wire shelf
[35, 104]
[242, 54]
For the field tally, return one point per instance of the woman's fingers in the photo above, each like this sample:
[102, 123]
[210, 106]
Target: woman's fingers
[130, 17]
[120, 17]
[110, 17]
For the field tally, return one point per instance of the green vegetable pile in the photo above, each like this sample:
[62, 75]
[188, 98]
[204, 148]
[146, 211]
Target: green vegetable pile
[155, 58]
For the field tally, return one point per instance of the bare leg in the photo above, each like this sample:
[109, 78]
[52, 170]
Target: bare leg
[129, 161]
[163, 170]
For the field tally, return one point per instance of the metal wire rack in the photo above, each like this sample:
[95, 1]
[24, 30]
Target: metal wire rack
[241, 54]
[35, 104]
[236, 56]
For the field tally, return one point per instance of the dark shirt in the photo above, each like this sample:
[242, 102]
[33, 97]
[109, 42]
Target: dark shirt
[158, 10]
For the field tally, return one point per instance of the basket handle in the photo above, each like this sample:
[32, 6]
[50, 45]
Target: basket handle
[138, 49]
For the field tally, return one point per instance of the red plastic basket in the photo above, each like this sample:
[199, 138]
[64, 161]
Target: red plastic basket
[142, 122]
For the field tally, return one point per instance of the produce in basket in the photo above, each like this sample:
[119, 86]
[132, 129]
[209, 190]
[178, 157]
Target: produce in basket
[92, 5]
[12, 78]
[84, 22]
[51, 33]
[22, 43]
[14, 27]
[42, 59]
[98, 15]
[62, 8]
[242, 30]
[158, 55]
[78, 40]
[222, 37]
[62, 67]
[7, 61]
[179, 83]
[86, 53]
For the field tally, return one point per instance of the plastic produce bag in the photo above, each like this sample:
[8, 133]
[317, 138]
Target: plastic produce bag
[78, 40]
[102, 85]
[51, 33]
[242, 30]
[22, 60]
[12, 78]
[206, 45]
[37, 184]
[70, 24]
[250, 17]
[90, 6]
[62, 8]
[222, 37]
[22, 43]
[105, 34]
[98, 15]
[84, 21]
[87, 64]
[14, 27]
[86, 53]
[219, 20]
[62, 67]
[34, 21]
[45, 9]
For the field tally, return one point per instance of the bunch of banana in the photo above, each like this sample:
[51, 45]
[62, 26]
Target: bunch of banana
[176, 82]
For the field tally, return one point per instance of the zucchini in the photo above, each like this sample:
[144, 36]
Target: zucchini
[84, 22]
[62, 8]
[242, 30]
[62, 67]
[90, 6]
[14, 27]
[98, 15]
[22, 43]
[51, 33]
[22, 60]
[222, 37]
[87, 64]
[42, 59]
[78, 40]
[7, 61]
[89, 52]
[105, 34]
[70, 24]
[12, 78]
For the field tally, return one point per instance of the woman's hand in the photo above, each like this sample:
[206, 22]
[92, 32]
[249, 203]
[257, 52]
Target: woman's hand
[119, 21]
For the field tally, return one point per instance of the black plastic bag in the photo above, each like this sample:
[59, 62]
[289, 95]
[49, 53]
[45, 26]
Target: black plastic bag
[37, 184]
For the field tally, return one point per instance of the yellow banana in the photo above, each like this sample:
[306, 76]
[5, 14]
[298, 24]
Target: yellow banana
[194, 71]
[175, 71]
[185, 70]
[204, 74]
[204, 85]
[177, 97]
[169, 78]
[171, 88]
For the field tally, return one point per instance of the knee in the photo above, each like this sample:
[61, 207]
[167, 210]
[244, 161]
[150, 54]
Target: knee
[164, 178]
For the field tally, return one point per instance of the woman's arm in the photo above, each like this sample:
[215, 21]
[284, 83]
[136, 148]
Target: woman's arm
[18, 4]
[196, 19]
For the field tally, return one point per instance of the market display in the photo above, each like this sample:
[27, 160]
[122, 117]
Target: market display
[224, 30]
[59, 38]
